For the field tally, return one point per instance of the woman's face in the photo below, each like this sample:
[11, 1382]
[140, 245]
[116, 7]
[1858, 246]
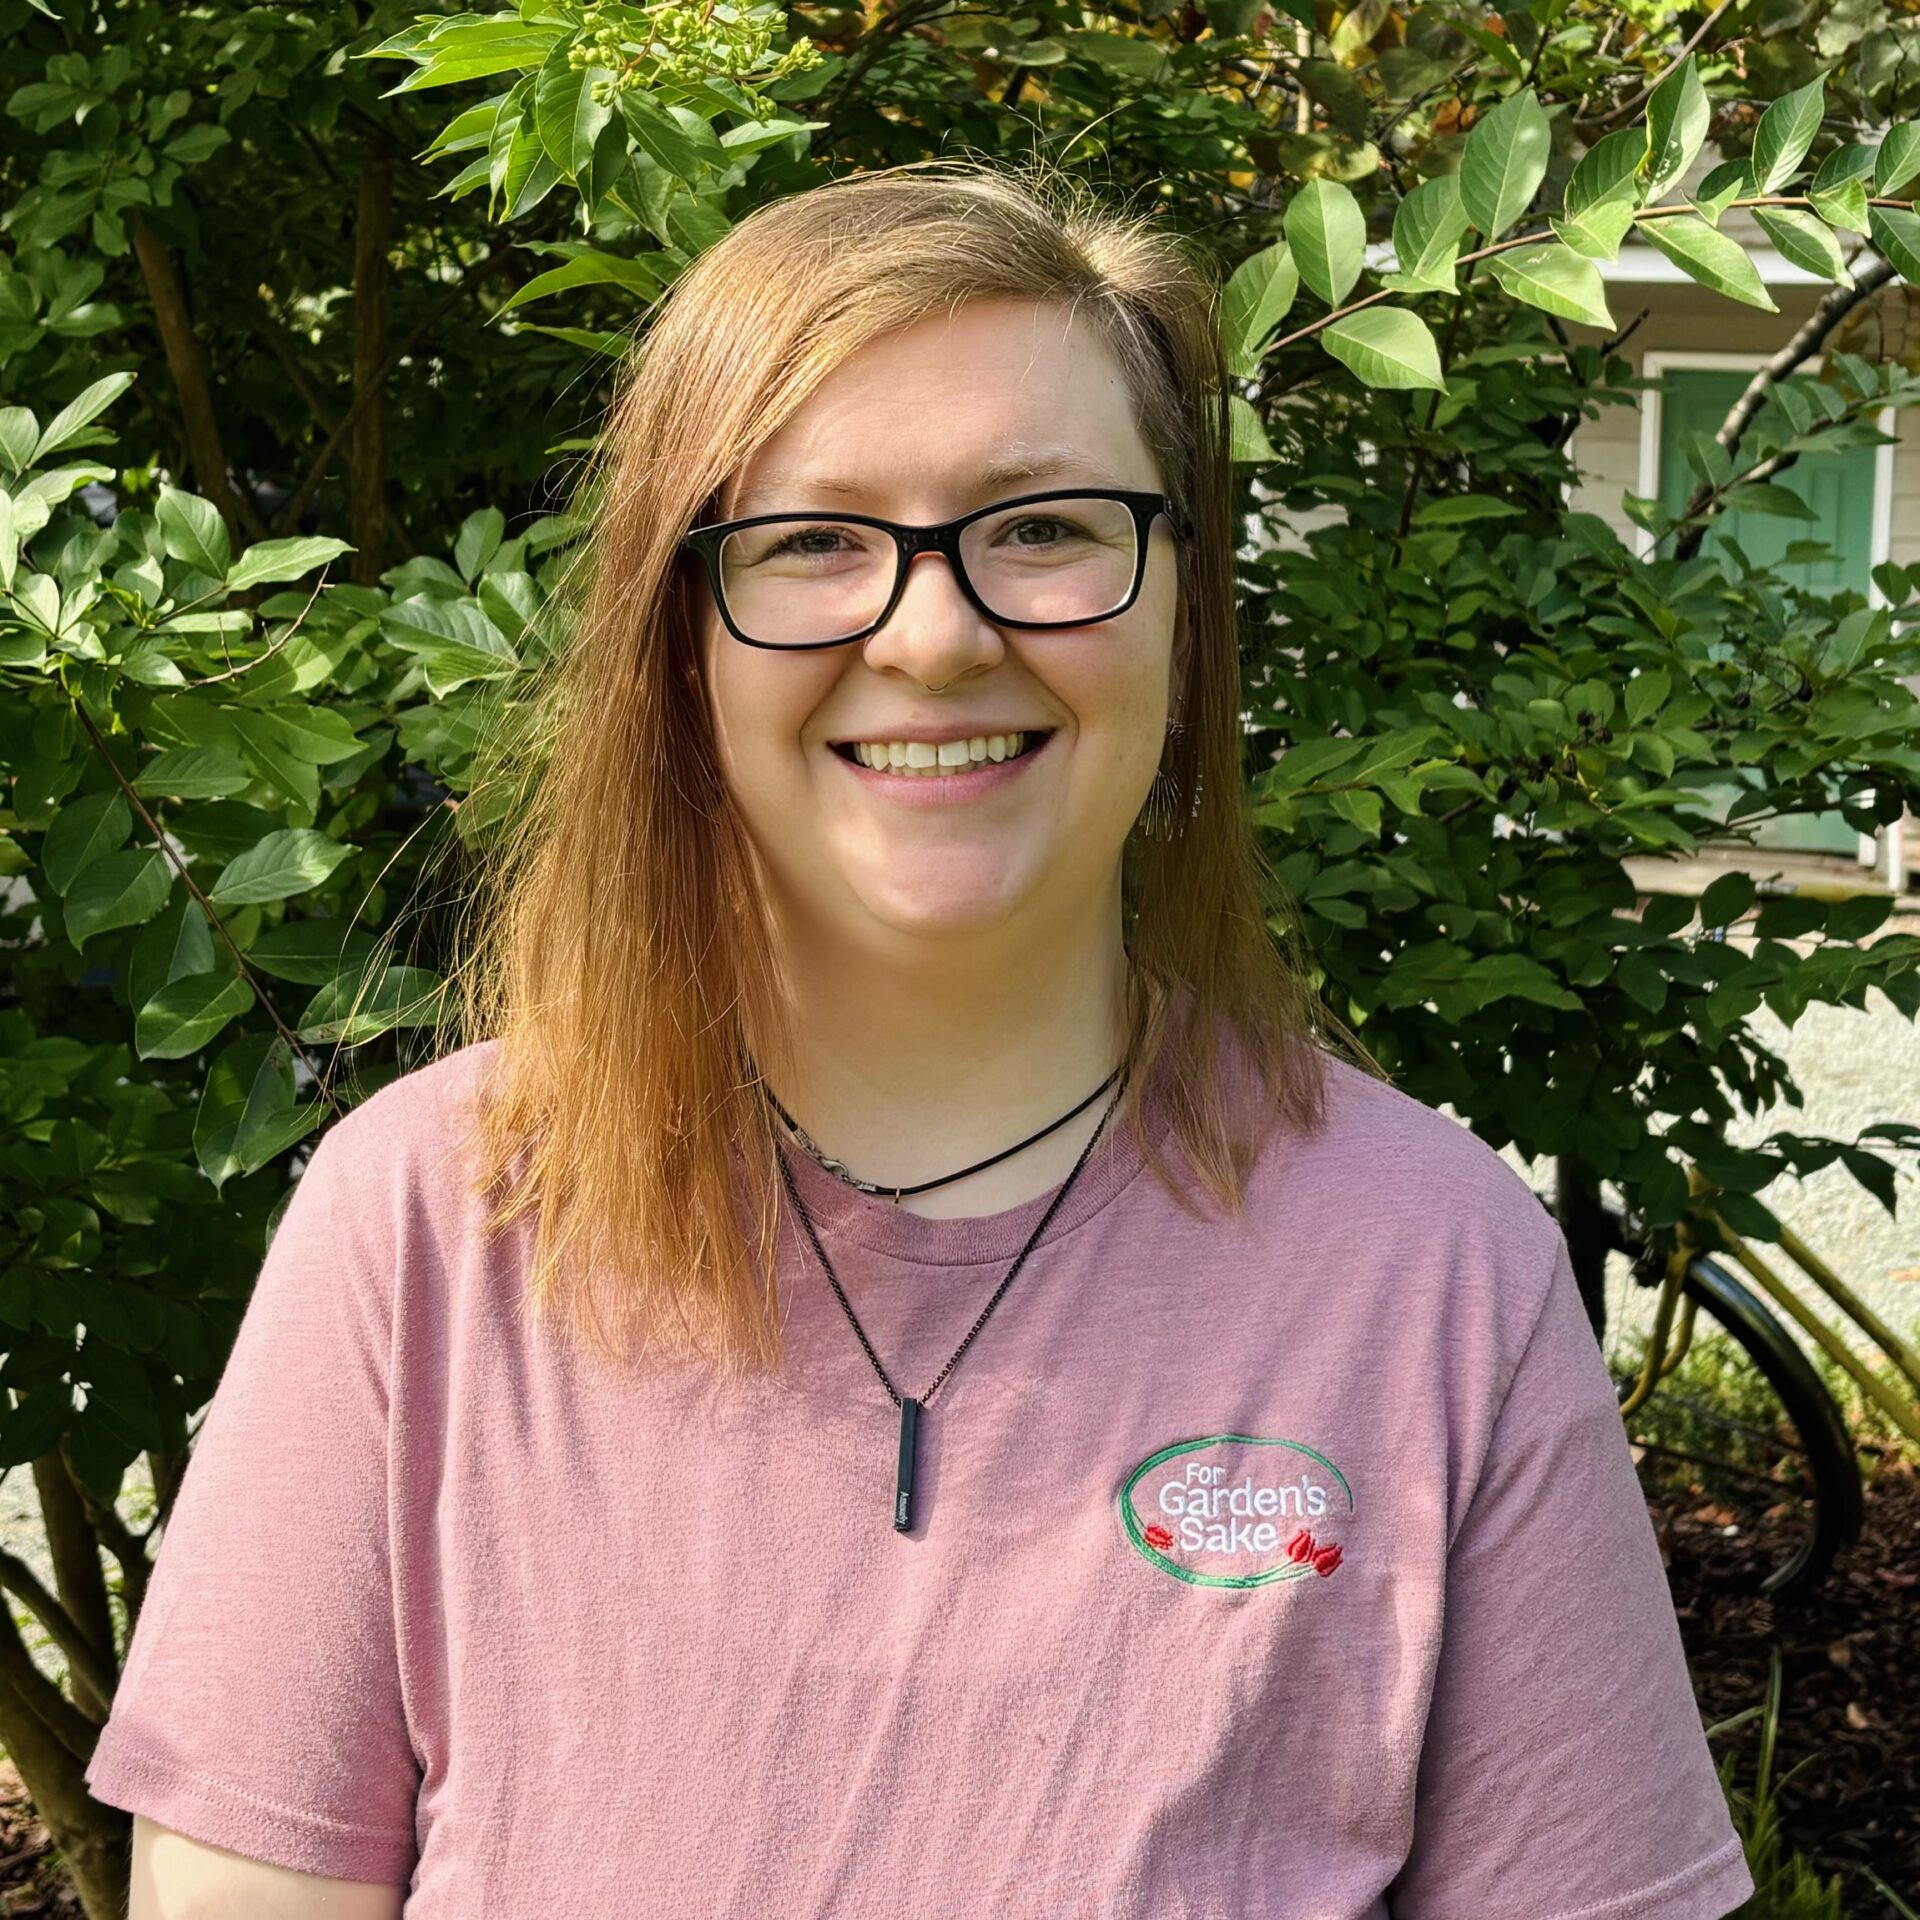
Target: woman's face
[999, 399]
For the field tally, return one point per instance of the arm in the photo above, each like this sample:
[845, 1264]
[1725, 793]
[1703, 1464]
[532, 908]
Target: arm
[175, 1878]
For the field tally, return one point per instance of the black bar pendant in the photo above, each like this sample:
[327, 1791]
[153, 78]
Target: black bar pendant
[903, 1481]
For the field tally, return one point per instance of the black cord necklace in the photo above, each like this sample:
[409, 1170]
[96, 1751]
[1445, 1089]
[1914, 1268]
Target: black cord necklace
[841, 1171]
[910, 1408]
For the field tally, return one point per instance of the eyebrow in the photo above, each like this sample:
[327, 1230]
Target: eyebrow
[1018, 464]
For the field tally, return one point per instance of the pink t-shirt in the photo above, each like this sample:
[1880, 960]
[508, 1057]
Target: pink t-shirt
[1287, 1569]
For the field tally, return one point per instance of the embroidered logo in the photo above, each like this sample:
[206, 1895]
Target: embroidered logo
[1231, 1510]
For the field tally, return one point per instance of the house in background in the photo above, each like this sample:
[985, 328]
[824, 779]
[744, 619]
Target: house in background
[1700, 350]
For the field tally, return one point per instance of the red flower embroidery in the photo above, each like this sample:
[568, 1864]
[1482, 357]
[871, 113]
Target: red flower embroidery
[1326, 1560]
[1159, 1538]
[1300, 1548]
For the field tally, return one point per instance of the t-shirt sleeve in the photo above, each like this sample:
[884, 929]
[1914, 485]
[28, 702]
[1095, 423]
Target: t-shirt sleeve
[260, 1709]
[1565, 1773]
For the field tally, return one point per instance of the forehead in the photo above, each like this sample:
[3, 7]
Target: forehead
[956, 408]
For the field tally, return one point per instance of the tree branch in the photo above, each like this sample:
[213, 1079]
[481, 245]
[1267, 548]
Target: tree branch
[43, 1725]
[1812, 335]
[289, 515]
[280, 343]
[182, 349]
[85, 1660]
[367, 458]
[74, 1548]
[1640, 99]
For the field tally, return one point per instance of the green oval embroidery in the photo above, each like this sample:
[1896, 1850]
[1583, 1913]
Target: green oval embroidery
[1196, 1497]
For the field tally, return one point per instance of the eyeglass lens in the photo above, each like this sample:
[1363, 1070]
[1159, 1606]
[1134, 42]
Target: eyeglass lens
[794, 581]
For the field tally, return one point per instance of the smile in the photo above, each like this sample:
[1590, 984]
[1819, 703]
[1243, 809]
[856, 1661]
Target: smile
[935, 760]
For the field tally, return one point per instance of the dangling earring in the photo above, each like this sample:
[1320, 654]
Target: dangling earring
[1157, 816]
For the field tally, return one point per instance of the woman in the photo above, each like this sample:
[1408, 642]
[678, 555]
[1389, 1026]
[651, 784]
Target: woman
[901, 1377]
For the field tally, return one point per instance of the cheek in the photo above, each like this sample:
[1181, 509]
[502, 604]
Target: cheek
[759, 704]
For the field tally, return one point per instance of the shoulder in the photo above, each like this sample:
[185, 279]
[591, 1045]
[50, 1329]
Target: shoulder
[1407, 1161]
[1390, 1185]
[418, 1121]
[403, 1156]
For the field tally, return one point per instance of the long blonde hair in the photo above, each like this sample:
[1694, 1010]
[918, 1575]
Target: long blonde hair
[620, 952]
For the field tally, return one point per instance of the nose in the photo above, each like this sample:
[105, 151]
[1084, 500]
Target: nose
[936, 633]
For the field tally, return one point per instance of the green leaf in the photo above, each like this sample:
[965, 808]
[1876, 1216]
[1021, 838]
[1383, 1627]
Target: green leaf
[1768, 496]
[193, 531]
[1727, 899]
[246, 1114]
[79, 413]
[19, 435]
[454, 640]
[1504, 161]
[1428, 227]
[1838, 193]
[310, 952]
[587, 269]
[185, 1014]
[1641, 980]
[1250, 444]
[1646, 693]
[83, 831]
[283, 560]
[1714, 259]
[1327, 234]
[1462, 509]
[1899, 159]
[193, 773]
[1606, 171]
[565, 112]
[120, 891]
[1556, 280]
[1387, 347]
[1256, 300]
[352, 1008]
[1804, 241]
[1357, 27]
[659, 136]
[1677, 118]
[1725, 184]
[294, 860]
[1896, 232]
[478, 541]
[1598, 231]
[1785, 133]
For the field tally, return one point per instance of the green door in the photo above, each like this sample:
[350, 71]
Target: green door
[1839, 487]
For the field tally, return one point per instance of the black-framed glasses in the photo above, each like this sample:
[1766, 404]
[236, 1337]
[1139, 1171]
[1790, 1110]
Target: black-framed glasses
[1067, 558]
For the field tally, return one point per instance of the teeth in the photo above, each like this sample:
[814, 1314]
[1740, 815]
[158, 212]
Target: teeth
[922, 759]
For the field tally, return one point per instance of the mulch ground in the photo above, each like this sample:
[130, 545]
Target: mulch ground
[1850, 1684]
[1850, 1700]
[29, 1883]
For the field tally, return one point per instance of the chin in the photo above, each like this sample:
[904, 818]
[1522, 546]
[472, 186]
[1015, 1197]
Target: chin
[945, 902]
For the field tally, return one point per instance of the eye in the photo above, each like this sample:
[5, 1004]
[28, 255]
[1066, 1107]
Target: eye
[807, 542]
[1043, 530]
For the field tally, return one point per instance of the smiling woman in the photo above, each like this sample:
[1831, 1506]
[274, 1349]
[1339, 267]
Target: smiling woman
[902, 1371]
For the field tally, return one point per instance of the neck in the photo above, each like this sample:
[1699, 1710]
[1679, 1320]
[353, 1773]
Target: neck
[909, 1064]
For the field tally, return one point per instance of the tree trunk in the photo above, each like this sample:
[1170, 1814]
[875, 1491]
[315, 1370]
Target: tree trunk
[1583, 1220]
[367, 452]
[77, 1575]
[204, 451]
[50, 1743]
